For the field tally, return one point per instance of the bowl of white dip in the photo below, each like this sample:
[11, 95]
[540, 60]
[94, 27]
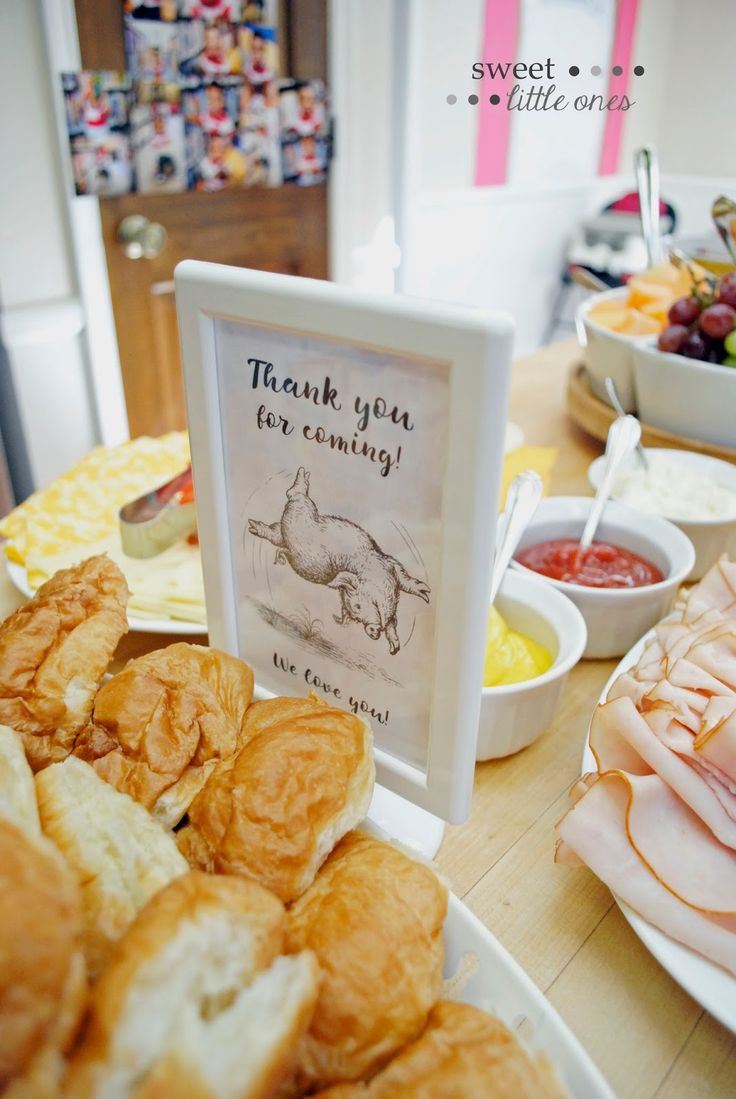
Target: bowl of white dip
[693, 491]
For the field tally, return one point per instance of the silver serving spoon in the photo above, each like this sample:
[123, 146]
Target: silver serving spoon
[616, 404]
[623, 435]
[522, 500]
[723, 213]
[678, 259]
[646, 167]
[583, 277]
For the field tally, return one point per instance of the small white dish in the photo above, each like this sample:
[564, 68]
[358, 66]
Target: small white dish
[607, 353]
[710, 537]
[684, 396]
[615, 617]
[513, 716]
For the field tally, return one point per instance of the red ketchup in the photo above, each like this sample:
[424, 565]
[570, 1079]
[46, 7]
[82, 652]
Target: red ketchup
[600, 566]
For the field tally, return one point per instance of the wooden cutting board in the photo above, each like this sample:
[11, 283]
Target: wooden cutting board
[595, 416]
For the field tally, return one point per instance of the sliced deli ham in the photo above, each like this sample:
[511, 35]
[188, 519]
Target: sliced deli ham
[685, 856]
[620, 718]
[658, 821]
[678, 739]
[717, 590]
[595, 829]
[716, 741]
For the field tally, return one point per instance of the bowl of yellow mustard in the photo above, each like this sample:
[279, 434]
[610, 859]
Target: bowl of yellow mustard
[535, 636]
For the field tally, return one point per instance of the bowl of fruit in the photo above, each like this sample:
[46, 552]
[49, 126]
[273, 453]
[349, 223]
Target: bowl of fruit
[685, 379]
[610, 325]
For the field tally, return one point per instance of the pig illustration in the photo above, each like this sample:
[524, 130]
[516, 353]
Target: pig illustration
[327, 549]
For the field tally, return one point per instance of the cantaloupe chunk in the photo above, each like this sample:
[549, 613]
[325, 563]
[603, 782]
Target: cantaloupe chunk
[639, 324]
[678, 280]
[609, 318]
[642, 292]
[665, 274]
[657, 310]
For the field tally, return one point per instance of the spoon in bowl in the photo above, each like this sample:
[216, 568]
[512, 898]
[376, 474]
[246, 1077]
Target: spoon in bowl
[623, 436]
[616, 404]
[522, 500]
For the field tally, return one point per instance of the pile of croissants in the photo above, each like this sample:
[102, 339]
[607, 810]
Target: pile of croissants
[186, 906]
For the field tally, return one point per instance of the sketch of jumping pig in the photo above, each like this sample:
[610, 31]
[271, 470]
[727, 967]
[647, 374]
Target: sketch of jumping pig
[327, 549]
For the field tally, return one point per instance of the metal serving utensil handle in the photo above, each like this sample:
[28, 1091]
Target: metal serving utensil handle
[646, 166]
[619, 408]
[522, 500]
[723, 213]
[623, 436]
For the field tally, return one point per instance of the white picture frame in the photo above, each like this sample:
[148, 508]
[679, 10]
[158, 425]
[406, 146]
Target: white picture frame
[222, 311]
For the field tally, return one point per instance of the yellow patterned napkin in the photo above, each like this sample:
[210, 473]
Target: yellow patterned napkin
[540, 458]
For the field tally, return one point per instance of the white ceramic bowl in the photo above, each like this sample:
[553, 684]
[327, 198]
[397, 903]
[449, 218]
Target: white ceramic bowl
[607, 353]
[710, 537]
[512, 717]
[684, 396]
[615, 617]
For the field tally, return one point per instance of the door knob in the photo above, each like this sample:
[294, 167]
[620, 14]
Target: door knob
[140, 238]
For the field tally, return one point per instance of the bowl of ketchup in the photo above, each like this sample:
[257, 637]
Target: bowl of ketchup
[623, 583]
[601, 565]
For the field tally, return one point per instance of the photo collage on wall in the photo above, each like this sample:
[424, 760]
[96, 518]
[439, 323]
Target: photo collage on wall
[203, 105]
[98, 122]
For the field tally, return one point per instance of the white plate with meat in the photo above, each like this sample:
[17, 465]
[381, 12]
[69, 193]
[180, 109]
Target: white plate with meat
[706, 982]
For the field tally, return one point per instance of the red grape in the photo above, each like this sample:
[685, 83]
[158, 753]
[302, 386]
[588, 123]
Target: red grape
[684, 311]
[718, 320]
[694, 346]
[727, 289]
[673, 338]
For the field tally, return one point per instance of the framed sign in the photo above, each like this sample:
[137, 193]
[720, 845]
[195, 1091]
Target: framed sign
[347, 455]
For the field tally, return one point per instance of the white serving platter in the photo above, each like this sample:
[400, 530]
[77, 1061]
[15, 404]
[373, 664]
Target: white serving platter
[497, 984]
[501, 987]
[178, 626]
[712, 987]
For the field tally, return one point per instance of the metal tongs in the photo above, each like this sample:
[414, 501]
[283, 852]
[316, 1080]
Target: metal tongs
[156, 520]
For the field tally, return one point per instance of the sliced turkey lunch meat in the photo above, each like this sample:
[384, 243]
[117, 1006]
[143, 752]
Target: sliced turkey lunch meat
[621, 718]
[595, 830]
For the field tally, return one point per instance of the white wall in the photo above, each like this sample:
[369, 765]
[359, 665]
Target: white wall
[361, 89]
[449, 40]
[684, 104]
[698, 135]
[42, 321]
[33, 217]
[505, 246]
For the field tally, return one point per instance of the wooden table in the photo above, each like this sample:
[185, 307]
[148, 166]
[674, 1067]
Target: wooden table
[646, 1034]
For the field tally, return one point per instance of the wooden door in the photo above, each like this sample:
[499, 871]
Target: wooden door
[281, 229]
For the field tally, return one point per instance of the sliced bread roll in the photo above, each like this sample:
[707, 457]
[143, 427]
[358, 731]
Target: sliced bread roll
[374, 918]
[42, 976]
[462, 1053]
[197, 1001]
[160, 725]
[53, 652]
[119, 854]
[17, 790]
[273, 813]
